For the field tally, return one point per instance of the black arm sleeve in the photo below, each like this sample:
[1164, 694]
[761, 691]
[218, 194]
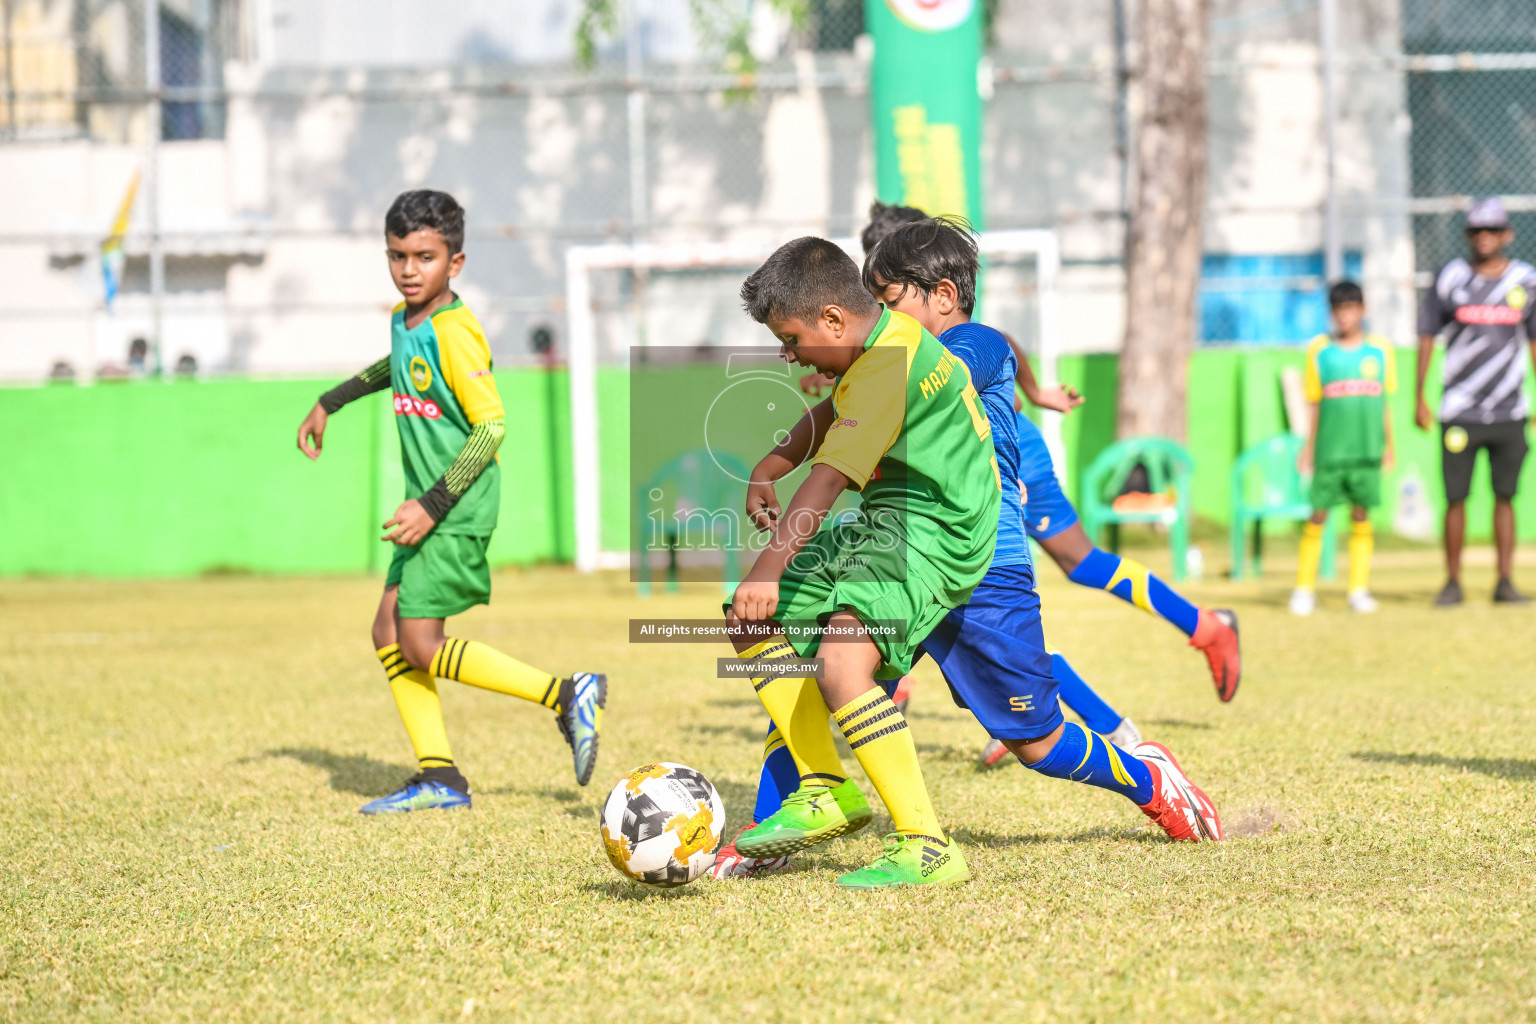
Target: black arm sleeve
[374, 378]
[478, 451]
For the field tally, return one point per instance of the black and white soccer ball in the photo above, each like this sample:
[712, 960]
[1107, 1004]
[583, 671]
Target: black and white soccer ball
[661, 824]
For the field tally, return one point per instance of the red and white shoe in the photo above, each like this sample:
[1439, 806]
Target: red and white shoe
[994, 753]
[1177, 804]
[903, 694]
[1216, 638]
[731, 864]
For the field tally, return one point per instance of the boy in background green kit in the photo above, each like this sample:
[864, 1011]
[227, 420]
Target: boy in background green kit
[1349, 441]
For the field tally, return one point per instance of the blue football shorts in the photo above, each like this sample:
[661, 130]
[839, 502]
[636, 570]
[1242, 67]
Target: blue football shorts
[992, 653]
[1046, 509]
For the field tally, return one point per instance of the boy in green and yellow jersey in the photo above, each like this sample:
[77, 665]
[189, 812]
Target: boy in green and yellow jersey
[451, 422]
[905, 428]
[1349, 376]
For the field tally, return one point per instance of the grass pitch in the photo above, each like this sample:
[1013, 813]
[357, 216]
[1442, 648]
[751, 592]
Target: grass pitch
[186, 759]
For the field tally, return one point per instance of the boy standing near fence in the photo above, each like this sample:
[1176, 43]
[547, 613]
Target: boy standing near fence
[451, 422]
[1349, 441]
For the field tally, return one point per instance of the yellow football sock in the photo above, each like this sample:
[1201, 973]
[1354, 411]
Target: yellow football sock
[880, 739]
[1307, 559]
[416, 697]
[469, 661]
[1361, 543]
[800, 715]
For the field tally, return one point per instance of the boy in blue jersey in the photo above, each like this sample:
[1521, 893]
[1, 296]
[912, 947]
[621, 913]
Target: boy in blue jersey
[1052, 522]
[991, 650]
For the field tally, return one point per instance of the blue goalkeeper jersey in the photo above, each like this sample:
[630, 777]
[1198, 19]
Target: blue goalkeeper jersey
[989, 357]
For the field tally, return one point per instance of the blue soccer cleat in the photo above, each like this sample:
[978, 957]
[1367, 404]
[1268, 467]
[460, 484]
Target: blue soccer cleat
[582, 699]
[418, 794]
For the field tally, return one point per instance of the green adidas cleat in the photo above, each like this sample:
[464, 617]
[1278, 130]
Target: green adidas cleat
[911, 860]
[809, 815]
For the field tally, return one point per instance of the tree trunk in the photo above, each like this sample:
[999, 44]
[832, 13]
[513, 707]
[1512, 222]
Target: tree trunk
[1163, 244]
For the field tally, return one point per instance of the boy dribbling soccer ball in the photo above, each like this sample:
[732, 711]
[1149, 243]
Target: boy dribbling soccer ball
[1349, 441]
[451, 422]
[991, 649]
[903, 428]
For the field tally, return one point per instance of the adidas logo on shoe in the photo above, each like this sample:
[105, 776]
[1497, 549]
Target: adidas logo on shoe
[933, 860]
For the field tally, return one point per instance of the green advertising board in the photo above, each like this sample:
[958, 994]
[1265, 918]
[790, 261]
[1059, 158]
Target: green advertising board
[926, 106]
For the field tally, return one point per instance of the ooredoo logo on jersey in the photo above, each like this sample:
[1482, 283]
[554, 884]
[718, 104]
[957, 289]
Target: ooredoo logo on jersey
[405, 405]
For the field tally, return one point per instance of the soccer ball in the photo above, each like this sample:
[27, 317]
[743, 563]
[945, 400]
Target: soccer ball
[661, 824]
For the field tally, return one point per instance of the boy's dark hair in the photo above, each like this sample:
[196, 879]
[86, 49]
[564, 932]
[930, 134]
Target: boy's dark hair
[1345, 291]
[801, 279]
[922, 254]
[424, 208]
[885, 218]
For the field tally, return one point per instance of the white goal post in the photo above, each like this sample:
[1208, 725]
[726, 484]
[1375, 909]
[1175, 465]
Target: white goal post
[582, 355]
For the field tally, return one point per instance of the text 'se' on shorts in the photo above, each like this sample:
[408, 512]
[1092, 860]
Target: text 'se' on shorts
[993, 656]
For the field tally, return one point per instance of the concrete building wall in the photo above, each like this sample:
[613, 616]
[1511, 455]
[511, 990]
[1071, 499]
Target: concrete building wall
[274, 230]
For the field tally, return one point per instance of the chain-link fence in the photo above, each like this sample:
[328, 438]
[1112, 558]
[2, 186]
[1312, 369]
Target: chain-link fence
[1472, 103]
[283, 129]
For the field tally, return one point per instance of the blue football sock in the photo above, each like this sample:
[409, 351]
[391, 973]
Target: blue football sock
[1131, 582]
[780, 777]
[1081, 698]
[1083, 756]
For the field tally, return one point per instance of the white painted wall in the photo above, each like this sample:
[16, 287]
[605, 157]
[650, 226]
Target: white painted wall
[287, 209]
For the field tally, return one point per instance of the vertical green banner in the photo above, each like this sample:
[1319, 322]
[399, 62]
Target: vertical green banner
[926, 107]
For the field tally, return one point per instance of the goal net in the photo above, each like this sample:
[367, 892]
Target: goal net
[675, 392]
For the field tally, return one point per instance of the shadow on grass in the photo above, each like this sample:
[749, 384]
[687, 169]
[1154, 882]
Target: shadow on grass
[745, 733]
[1498, 767]
[575, 803]
[739, 799]
[634, 892]
[979, 837]
[1414, 598]
[350, 773]
[951, 752]
[1177, 723]
[735, 702]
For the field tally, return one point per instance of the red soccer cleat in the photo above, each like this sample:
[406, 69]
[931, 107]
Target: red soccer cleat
[1178, 805]
[903, 693]
[729, 863]
[1216, 637]
[993, 753]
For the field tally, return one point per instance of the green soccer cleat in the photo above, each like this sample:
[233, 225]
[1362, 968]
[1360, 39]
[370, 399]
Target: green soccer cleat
[809, 815]
[911, 860]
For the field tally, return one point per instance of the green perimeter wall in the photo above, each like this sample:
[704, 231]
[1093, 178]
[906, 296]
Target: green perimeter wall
[184, 477]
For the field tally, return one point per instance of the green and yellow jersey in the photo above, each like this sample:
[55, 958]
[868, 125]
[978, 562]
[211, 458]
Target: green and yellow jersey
[1350, 384]
[440, 372]
[910, 434]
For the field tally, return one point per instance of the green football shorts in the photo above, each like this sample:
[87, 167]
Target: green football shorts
[852, 566]
[1352, 483]
[443, 575]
